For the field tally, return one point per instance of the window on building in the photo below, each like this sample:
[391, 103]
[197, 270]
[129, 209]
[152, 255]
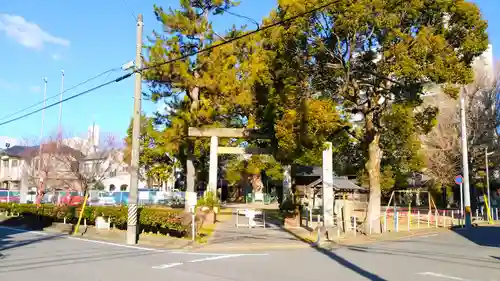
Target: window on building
[5, 163]
[123, 187]
[112, 187]
[14, 163]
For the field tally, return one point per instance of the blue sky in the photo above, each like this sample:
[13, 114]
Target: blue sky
[86, 38]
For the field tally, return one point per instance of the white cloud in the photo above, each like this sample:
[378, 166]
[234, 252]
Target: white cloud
[56, 57]
[27, 33]
[35, 89]
[4, 85]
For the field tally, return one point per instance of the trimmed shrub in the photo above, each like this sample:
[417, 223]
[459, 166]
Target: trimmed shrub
[157, 220]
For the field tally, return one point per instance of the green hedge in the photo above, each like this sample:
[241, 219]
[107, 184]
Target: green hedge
[162, 220]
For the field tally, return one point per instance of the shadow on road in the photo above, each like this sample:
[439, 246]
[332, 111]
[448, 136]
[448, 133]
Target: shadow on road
[10, 239]
[485, 235]
[332, 255]
[429, 256]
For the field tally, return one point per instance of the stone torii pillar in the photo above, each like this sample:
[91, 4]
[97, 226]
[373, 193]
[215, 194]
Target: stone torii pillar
[212, 172]
[327, 188]
[215, 150]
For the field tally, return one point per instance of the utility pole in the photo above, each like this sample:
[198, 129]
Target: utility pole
[136, 131]
[40, 154]
[465, 161]
[59, 130]
[488, 182]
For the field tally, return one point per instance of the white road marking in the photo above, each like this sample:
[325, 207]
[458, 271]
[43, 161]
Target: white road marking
[213, 254]
[168, 265]
[19, 230]
[217, 258]
[427, 236]
[439, 275]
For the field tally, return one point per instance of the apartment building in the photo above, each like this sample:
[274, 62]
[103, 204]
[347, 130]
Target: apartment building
[24, 167]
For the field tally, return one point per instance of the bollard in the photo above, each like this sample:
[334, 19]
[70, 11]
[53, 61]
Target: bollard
[385, 221]
[85, 222]
[418, 219]
[444, 218]
[452, 218]
[338, 226]
[409, 220]
[397, 221]
[354, 224]
[429, 219]
[436, 217]
[477, 213]
[64, 220]
[497, 212]
[482, 213]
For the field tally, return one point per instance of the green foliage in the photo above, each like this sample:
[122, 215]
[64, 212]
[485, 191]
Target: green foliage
[238, 169]
[303, 82]
[162, 219]
[370, 55]
[209, 199]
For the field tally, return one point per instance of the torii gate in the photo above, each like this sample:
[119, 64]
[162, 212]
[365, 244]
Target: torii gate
[215, 150]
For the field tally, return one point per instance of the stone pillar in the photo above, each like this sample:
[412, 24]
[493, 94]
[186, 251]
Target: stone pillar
[327, 189]
[190, 170]
[287, 183]
[23, 190]
[212, 174]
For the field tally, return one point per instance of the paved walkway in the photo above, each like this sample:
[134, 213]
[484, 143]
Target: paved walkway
[273, 236]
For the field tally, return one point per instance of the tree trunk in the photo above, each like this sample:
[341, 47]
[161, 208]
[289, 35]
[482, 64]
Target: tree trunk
[40, 193]
[372, 167]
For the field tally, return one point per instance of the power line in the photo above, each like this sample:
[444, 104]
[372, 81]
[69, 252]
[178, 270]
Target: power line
[231, 40]
[162, 63]
[68, 98]
[58, 94]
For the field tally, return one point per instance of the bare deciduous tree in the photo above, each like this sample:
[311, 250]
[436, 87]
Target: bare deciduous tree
[442, 145]
[97, 163]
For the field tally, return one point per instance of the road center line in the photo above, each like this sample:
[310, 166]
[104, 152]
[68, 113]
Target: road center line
[439, 275]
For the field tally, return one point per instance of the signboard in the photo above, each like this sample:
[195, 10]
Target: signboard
[459, 179]
[191, 198]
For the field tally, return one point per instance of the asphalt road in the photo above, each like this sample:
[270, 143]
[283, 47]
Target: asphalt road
[447, 256]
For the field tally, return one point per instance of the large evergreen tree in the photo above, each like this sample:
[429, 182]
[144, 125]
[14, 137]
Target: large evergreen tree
[372, 54]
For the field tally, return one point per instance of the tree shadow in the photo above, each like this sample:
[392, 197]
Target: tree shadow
[9, 237]
[428, 256]
[277, 224]
[485, 235]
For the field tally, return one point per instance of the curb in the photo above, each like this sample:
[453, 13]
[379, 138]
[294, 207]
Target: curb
[251, 248]
[306, 245]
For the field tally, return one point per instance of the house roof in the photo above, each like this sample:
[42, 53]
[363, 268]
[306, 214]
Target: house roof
[346, 184]
[31, 151]
[15, 151]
